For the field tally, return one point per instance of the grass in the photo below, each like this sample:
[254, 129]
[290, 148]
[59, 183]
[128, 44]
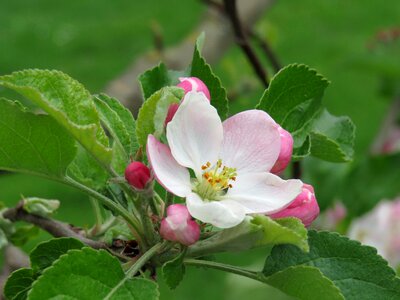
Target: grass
[94, 41]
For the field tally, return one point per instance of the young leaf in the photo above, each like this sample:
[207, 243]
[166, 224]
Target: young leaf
[47, 252]
[68, 102]
[332, 138]
[356, 270]
[153, 80]
[18, 284]
[40, 207]
[293, 99]
[90, 274]
[126, 117]
[305, 283]
[202, 70]
[289, 88]
[109, 110]
[152, 114]
[86, 170]
[174, 270]
[33, 143]
[253, 232]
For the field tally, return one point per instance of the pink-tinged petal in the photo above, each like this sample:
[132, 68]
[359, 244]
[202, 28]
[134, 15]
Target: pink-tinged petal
[251, 142]
[178, 210]
[285, 154]
[167, 171]
[195, 133]
[304, 207]
[178, 226]
[263, 192]
[222, 214]
[193, 84]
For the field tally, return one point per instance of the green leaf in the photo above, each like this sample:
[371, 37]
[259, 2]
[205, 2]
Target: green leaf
[153, 80]
[289, 88]
[253, 232]
[90, 274]
[120, 128]
[47, 252]
[127, 118]
[202, 70]
[371, 180]
[86, 170]
[356, 270]
[304, 282]
[23, 234]
[152, 114]
[332, 138]
[68, 102]
[18, 284]
[294, 100]
[33, 143]
[174, 270]
[3, 239]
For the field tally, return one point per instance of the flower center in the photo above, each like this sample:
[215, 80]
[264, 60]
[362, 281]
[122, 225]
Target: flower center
[215, 180]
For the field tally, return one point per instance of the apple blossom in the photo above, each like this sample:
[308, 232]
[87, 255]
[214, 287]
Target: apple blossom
[285, 154]
[178, 226]
[137, 174]
[304, 207]
[230, 163]
[188, 84]
[380, 228]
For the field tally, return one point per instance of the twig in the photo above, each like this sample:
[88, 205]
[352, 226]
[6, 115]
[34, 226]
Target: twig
[242, 41]
[55, 228]
[269, 53]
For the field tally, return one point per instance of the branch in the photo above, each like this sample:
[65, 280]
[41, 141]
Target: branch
[55, 228]
[219, 39]
[266, 48]
[242, 41]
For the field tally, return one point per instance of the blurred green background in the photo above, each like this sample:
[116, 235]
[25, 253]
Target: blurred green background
[94, 41]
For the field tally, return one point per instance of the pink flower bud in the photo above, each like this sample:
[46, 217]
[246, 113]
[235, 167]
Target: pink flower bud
[193, 84]
[286, 151]
[188, 84]
[178, 226]
[137, 175]
[305, 207]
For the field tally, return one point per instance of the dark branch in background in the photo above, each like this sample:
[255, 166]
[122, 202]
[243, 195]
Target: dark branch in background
[242, 41]
[267, 50]
[55, 228]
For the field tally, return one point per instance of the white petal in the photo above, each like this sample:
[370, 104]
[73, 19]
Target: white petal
[195, 133]
[167, 171]
[263, 192]
[251, 142]
[222, 214]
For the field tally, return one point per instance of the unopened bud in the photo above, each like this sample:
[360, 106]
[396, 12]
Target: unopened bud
[40, 207]
[193, 84]
[285, 155]
[179, 226]
[137, 174]
[188, 84]
[304, 207]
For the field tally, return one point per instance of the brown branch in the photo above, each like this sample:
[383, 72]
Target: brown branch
[219, 38]
[242, 41]
[55, 228]
[267, 50]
